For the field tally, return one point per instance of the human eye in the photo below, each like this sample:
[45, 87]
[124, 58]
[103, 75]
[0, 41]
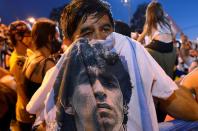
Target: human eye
[107, 28]
[108, 83]
[86, 32]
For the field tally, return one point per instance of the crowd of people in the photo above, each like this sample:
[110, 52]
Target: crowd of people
[99, 76]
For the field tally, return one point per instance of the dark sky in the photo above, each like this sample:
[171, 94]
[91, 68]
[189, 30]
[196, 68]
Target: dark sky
[21, 9]
[184, 12]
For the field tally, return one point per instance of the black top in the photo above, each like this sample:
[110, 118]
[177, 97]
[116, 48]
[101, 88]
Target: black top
[30, 86]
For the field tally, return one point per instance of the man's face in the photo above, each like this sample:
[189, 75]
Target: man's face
[100, 106]
[94, 28]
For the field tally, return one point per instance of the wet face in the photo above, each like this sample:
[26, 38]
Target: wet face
[100, 106]
[94, 28]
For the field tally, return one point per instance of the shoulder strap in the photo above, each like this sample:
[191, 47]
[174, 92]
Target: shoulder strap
[44, 66]
[36, 66]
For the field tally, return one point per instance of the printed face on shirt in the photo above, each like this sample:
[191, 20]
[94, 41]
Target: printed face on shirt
[98, 106]
[94, 28]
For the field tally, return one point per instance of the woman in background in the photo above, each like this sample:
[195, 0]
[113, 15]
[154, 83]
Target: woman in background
[159, 30]
[46, 43]
[161, 48]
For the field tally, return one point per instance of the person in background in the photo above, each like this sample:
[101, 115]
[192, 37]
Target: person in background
[194, 52]
[185, 47]
[160, 32]
[158, 28]
[8, 99]
[187, 59]
[20, 35]
[7, 103]
[37, 103]
[193, 65]
[5, 46]
[46, 46]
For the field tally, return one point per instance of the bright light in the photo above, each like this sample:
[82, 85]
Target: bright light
[125, 2]
[31, 20]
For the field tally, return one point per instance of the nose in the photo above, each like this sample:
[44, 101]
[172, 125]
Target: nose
[99, 35]
[99, 91]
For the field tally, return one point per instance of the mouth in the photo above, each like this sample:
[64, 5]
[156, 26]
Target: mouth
[105, 112]
[103, 106]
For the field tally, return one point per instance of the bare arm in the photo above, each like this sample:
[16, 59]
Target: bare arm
[37, 100]
[142, 35]
[181, 105]
[19, 77]
[191, 82]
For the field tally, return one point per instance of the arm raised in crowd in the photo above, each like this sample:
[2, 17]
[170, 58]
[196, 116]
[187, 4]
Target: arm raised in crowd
[143, 34]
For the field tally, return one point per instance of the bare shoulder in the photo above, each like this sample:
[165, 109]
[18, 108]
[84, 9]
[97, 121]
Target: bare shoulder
[49, 63]
[38, 67]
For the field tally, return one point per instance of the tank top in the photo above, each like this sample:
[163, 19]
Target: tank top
[33, 86]
[163, 33]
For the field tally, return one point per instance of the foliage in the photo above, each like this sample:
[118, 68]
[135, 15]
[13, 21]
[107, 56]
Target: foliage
[138, 19]
[55, 13]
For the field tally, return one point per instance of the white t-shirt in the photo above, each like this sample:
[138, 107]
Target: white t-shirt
[162, 33]
[154, 80]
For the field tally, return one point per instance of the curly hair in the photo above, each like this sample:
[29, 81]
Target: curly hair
[20, 28]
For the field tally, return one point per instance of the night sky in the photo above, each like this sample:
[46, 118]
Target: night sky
[11, 10]
[184, 13]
